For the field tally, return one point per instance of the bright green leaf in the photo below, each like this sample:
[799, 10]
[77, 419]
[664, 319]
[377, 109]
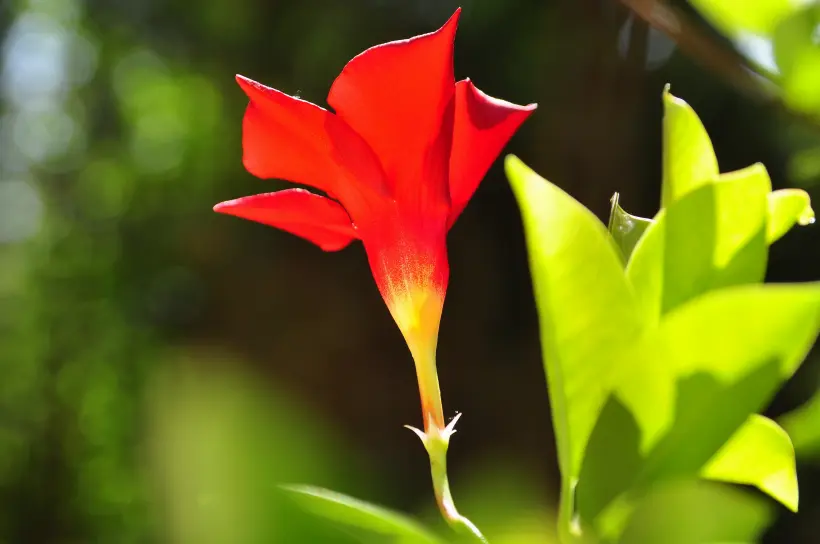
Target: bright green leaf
[787, 207]
[798, 58]
[803, 425]
[728, 351]
[626, 229]
[587, 311]
[760, 453]
[698, 512]
[735, 16]
[712, 237]
[586, 308]
[688, 157]
[359, 514]
[687, 389]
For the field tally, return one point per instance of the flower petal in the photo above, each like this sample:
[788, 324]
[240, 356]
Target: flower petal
[287, 138]
[397, 96]
[482, 127]
[300, 212]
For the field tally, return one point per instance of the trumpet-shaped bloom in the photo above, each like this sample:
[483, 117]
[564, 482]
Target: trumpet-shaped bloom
[398, 160]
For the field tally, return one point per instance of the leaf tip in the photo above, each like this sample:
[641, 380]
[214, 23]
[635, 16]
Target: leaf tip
[806, 217]
[511, 163]
[517, 173]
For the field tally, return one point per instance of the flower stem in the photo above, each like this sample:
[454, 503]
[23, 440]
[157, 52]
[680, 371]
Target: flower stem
[437, 450]
[436, 440]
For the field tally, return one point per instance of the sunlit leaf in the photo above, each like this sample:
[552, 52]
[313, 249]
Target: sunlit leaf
[803, 426]
[587, 311]
[733, 16]
[798, 58]
[362, 515]
[748, 339]
[714, 236]
[688, 157]
[760, 453]
[695, 512]
[687, 389]
[626, 229]
[787, 207]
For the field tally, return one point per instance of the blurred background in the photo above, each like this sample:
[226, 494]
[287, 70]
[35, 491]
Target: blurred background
[163, 367]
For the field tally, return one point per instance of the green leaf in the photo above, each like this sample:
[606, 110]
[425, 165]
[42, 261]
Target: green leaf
[587, 311]
[803, 425]
[746, 339]
[735, 16]
[586, 308]
[714, 236]
[787, 207]
[626, 229]
[359, 514]
[688, 157]
[798, 58]
[698, 512]
[687, 389]
[760, 453]
[215, 434]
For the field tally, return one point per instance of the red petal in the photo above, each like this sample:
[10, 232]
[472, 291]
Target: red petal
[396, 96]
[313, 217]
[482, 127]
[287, 138]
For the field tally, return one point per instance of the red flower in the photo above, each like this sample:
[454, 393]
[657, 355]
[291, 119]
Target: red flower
[399, 159]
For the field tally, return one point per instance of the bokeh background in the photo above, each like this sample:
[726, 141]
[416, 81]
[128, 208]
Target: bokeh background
[163, 367]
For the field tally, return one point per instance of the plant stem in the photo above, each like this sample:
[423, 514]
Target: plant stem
[437, 445]
[436, 440]
[565, 533]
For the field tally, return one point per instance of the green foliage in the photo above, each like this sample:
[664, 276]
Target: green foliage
[779, 39]
[787, 207]
[798, 57]
[689, 162]
[626, 229]
[219, 443]
[697, 512]
[803, 425]
[759, 453]
[361, 515]
[735, 16]
[580, 287]
[711, 237]
[656, 372]
[790, 27]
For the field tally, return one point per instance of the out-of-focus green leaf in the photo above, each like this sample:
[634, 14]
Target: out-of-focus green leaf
[523, 516]
[626, 229]
[760, 453]
[734, 16]
[688, 157]
[798, 58]
[215, 444]
[803, 426]
[787, 207]
[714, 236]
[359, 514]
[587, 311]
[695, 512]
[688, 388]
